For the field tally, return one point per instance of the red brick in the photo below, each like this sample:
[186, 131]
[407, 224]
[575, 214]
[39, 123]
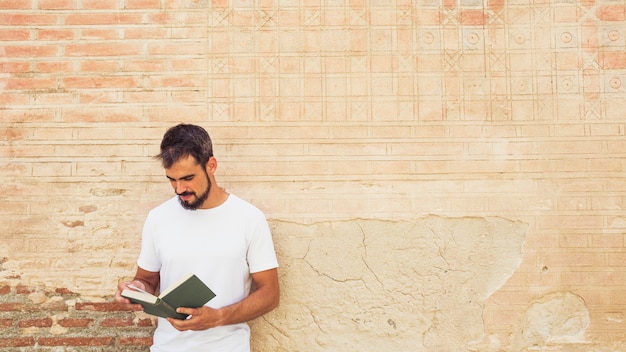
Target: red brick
[75, 341]
[55, 34]
[6, 323]
[63, 291]
[612, 60]
[39, 323]
[449, 4]
[75, 322]
[108, 49]
[143, 4]
[146, 322]
[611, 13]
[30, 50]
[101, 307]
[14, 67]
[30, 83]
[15, 4]
[89, 34]
[99, 66]
[100, 4]
[14, 34]
[135, 341]
[145, 33]
[56, 4]
[116, 322]
[5, 290]
[14, 307]
[473, 17]
[26, 290]
[52, 66]
[17, 342]
[103, 18]
[495, 5]
[16, 19]
[25, 307]
[99, 82]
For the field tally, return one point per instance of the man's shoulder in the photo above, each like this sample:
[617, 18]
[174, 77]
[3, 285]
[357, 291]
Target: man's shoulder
[167, 206]
[242, 204]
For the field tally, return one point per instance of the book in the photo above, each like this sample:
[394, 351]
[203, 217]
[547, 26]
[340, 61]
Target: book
[189, 292]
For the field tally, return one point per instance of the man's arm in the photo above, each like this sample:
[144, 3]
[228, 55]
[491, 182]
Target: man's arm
[145, 280]
[264, 299]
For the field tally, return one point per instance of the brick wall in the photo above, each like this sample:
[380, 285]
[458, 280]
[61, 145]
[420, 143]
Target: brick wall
[320, 111]
[34, 318]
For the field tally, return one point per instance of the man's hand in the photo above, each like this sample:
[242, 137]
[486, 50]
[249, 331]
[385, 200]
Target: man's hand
[262, 300]
[199, 319]
[145, 280]
[125, 285]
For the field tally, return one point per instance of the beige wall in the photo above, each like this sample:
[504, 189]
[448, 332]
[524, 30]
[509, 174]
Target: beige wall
[439, 176]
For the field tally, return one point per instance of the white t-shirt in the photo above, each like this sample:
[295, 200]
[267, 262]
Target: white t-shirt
[222, 246]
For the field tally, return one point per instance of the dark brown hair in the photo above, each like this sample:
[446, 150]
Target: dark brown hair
[184, 140]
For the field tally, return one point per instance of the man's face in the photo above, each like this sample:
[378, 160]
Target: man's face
[190, 182]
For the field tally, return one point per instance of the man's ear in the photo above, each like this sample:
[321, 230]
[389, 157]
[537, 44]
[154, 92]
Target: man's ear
[211, 165]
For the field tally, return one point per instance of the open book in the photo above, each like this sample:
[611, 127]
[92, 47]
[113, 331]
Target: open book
[189, 292]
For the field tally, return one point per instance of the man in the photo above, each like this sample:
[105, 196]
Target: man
[222, 239]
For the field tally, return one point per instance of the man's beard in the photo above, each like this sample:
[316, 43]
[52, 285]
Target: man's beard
[199, 199]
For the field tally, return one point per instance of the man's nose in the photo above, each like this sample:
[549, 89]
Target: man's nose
[179, 188]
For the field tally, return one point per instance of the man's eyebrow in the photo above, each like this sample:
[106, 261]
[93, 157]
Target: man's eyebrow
[181, 178]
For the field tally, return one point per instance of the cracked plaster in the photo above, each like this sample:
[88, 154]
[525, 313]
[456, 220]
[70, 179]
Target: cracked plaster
[371, 285]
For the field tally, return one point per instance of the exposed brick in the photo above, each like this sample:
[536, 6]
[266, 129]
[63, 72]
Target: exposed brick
[135, 341]
[14, 307]
[146, 322]
[101, 306]
[6, 323]
[39, 323]
[75, 341]
[26, 290]
[5, 289]
[75, 322]
[17, 341]
[64, 291]
[116, 322]
[29, 307]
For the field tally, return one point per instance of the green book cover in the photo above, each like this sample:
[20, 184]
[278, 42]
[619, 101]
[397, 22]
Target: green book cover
[188, 292]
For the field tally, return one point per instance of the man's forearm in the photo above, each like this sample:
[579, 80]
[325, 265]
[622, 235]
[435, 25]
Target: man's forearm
[259, 302]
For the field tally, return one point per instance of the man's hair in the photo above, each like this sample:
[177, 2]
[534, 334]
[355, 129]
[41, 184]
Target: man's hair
[182, 141]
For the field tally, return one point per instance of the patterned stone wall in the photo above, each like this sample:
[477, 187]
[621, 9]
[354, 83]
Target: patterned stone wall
[439, 175]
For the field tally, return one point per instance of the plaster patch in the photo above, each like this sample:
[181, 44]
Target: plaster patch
[366, 285]
[556, 318]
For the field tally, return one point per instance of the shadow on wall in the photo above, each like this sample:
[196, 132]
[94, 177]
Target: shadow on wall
[372, 285]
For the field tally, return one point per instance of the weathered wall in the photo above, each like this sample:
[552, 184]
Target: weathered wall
[439, 175]
[380, 285]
